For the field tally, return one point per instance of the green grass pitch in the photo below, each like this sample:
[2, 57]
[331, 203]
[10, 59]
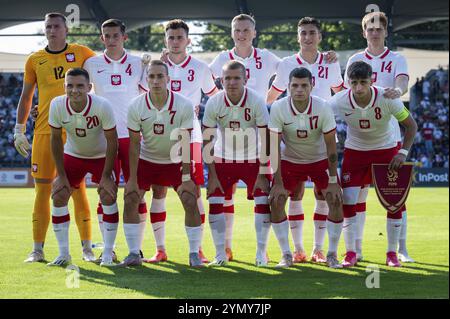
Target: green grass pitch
[428, 243]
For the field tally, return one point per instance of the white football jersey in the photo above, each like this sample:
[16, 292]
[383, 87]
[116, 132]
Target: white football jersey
[156, 125]
[325, 76]
[85, 136]
[386, 67]
[261, 65]
[119, 82]
[190, 78]
[240, 122]
[368, 128]
[302, 133]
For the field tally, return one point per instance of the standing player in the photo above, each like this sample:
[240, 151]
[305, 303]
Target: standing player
[157, 115]
[307, 126]
[189, 77]
[118, 76]
[260, 65]
[236, 113]
[91, 147]
[390, 71]
[46, 69]
[370, 140]
[326, 77]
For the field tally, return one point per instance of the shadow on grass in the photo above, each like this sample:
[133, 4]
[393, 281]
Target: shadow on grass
[241, 279]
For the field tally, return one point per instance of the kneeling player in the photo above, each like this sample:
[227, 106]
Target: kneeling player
[307, 127]
[155, 115]
[91, 147]
[370, 140]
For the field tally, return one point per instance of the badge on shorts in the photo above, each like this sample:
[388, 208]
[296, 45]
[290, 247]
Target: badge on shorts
[175, 85]
[302, 133]
[235, 125]
[81, 132]
[116, 79]
[364, 124]
[34, 167]
[158, 129]
[70, 57]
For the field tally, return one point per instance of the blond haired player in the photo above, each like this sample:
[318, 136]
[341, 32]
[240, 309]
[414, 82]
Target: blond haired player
[326, 77]
[390, 71]
[46, 69]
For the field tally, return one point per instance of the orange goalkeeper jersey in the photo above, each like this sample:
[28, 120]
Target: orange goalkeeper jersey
[47, 69]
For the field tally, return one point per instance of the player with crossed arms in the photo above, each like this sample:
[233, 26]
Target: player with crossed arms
[326, 77]
[91, 147]
[370, 140]
[390, 71]
[160, 116]
[119, 77]
[237, 113]
[189, 77]
[306, 125]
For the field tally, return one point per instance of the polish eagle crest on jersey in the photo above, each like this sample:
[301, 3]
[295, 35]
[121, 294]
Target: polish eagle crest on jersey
[70, 57]
[116, 79]
[235, 125]
[175, 85]
[158, 129]
[81, 132]
[302, 133]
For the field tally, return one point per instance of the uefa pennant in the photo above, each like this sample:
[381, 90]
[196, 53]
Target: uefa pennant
[392, 187]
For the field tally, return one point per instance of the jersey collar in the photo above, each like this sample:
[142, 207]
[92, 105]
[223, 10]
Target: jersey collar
[371, 104]
[236, 57]
[241, 103]
[381, 56]
[86, 109]
[168, 106]
[182, 64]
[301, 61]
[296, 112]
[121, 60]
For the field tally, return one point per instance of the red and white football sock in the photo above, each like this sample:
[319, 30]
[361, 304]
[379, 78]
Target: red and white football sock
[217, 224]
[158, 221]
[296, 218]
[100, 219]
[320, 223]
[110, 225]
[262, 223]
[61, 222]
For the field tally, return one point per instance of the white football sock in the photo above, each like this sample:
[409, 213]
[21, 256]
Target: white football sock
[110, 228]
[296, 226]
[393, 227]
[360, 222]
[194, 235]
[334, 234]
[282, 232]
[132, 236]
[62, 229]
[158, 206]
[349, 233]
[403, 231]
[229, 220]
[320, 226]
[262, 227]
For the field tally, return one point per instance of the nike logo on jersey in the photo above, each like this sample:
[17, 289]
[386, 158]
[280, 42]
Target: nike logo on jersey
[42, 62]
[288, 123]
[221, 117]
[145, 119]
[322, 227]
[66, 122]
[348, 114]
[100, 71]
